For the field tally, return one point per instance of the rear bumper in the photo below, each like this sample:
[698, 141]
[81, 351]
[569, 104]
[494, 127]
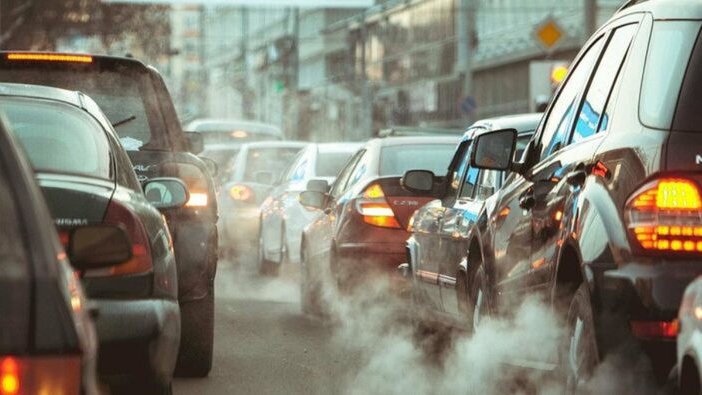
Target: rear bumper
[642, 292]
[138, 339]
[195, 245]
[363, 261]
[240, 228]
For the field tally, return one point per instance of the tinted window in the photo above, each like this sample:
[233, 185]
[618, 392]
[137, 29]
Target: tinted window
[557, 128]
[668, 55]
[689, 117]
[395, 160]
[459, 170]
[469, 183]
[120, 94]
[274, 160]
[488, 184]
[59, 138]
[593, 106]
[330, 163]
[339, 186]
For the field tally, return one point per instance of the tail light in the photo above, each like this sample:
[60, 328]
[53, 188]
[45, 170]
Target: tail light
[197, 199]
[196, 181]
[655, 329]
[117, 214]
[37, 374]
[375, 209]
[665, 215]
[241, 193]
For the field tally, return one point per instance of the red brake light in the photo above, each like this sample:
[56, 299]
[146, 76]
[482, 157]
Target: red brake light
[664, 215]
[117, 214]
[655, 329]
[9, 376]
[49, 57]
[375, 209]
[197, 199]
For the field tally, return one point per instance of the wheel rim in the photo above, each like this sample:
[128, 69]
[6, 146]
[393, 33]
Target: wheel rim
[478, 310]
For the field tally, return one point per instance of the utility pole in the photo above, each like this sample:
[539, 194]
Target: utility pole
[590, 17]
[366, 125]
[466, 36]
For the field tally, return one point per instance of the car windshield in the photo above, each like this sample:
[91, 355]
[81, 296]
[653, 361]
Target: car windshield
[126, 97]
[395, 160]
[268, 160]
[330, 163]
[57, 137]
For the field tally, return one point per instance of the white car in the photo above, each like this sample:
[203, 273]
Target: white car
[282, 216]
[689, 361]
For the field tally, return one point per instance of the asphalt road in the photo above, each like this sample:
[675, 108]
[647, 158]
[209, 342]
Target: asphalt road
[265, 345]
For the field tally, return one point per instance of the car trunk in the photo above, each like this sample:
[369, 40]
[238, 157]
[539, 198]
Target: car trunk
[75, 201]
[403, 202]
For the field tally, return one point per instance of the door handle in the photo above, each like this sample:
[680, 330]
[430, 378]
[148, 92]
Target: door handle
[527, 201]
[576, 178]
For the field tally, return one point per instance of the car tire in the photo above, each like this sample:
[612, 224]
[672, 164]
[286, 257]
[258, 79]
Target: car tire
[197, 337]
[265, 266]
[579, 351]
[480, 302]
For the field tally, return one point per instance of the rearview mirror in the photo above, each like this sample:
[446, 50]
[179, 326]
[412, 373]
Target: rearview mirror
[166, 193]
[494, 150]
[318, 185]
[418, 181]
[313, 199]
[196, 143]
[98, 246]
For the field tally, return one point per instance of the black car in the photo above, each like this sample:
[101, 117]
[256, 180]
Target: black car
[360, 232]
[135, 99]
[87, 179]
[602, 215]
[440, 230]
[47, 338]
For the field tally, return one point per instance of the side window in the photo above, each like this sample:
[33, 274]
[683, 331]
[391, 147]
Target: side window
[359, 171]
[469, 183]
[560, 119]
[592, 111]
[342, 179]
[298, 168]
[488, 184]
[11, 245]
[462, 157]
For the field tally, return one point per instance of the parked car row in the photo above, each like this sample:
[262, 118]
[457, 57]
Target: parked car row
[108, 153]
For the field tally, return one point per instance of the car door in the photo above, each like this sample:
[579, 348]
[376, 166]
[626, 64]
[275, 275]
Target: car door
[563, 170]
[458, 219]
[427, 231]
[513, 224]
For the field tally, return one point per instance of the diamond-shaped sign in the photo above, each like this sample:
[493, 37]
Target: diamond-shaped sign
[548, 34]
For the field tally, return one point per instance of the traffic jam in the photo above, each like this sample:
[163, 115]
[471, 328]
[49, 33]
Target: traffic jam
[152, 247]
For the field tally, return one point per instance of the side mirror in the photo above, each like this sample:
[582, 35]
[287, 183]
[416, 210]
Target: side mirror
[98, 246]
[313, 199]
[418, 181]
[166, 193]
[494, 150]
[318, 185]
[196, 143]
[212, 166]
[264, 177]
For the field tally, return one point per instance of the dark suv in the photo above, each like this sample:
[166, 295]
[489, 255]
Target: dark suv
[135, 99]
[603, 215]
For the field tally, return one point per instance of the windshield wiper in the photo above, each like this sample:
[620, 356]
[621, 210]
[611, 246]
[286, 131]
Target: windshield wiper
[122, 122]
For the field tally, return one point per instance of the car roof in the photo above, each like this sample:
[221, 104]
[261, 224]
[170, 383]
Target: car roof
[393, 141]
[521, 122]
[250, 126]
[274, 144]
[338, 147]
[664, 9]
[41, 92]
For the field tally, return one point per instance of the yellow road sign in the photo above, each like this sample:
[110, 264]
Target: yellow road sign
[549, 33]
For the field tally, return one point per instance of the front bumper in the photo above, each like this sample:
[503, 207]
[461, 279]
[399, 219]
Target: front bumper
[642, 292]
[138, 339]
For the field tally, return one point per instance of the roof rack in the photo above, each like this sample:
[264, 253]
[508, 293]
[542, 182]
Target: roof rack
[408, 131]
[630, 3]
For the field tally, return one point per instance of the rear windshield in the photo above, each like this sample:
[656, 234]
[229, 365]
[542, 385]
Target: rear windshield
[329, 164]
[58, 138]
[668, 56]
[274, 160]
[397, 159]
[123, 95]
[688, 117]
[221, 156]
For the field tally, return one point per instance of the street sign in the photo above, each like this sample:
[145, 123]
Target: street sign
[258, 3]
[549, 33]
[468, 105]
